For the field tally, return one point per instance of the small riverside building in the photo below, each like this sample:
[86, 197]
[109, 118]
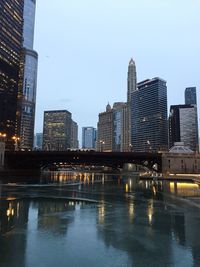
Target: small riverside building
[180, 160]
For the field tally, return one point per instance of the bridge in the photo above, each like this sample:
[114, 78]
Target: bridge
[40, 159]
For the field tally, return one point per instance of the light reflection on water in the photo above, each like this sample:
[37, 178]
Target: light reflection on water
[87, 219]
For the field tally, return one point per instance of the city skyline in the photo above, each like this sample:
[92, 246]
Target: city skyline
[100, 40]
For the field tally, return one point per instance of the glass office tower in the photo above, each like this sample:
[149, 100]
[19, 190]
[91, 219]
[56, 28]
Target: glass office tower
[190, 96]
[183, 126]
[149, 116]
[29, 62]
[88, 137]
[11, 24]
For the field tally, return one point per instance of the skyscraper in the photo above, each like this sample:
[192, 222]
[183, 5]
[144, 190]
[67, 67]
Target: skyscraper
[131, 87]
[119, 126]
[11, 38]
[131, 79]
[149, 116]
[57, 130]
[183, 126]
[88, 137]
[74, 135]
[112, 128]
[38, 141]
[29, 62]
[105, 130]
[190, 96]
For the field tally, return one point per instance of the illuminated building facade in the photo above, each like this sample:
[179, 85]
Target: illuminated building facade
[57, 130]
[88, 137]
[11, 38]
[149, 116]
[29, 62]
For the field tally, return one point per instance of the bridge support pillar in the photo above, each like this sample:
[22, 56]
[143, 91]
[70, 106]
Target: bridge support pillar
[131, 167]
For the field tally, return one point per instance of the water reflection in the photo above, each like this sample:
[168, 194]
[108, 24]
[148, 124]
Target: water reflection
[12, 214]
[132, 222]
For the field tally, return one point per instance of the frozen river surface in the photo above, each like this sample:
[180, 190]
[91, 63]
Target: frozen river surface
[84, 219]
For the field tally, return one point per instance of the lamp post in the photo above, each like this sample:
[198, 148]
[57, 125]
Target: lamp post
[16, 142]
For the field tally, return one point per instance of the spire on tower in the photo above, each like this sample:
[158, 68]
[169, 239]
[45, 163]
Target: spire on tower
[108, 107]
[131, 62]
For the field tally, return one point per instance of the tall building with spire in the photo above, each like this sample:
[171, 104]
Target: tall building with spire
[131, 79]
[27, 93]
[131, 87]
[11, 38]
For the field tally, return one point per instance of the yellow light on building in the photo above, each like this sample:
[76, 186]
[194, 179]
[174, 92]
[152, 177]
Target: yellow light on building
[126, 188]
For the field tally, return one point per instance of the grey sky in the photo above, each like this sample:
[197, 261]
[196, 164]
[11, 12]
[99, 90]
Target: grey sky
[84, 48]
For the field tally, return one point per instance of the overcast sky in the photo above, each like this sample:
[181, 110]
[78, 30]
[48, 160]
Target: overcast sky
[84, 47]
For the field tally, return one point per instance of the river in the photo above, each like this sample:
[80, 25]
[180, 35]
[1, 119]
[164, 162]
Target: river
[97, 219]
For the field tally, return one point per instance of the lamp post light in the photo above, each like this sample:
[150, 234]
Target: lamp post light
[16, 142]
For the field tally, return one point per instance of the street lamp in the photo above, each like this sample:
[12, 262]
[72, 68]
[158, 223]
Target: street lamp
[16, 140]
[2, 135]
